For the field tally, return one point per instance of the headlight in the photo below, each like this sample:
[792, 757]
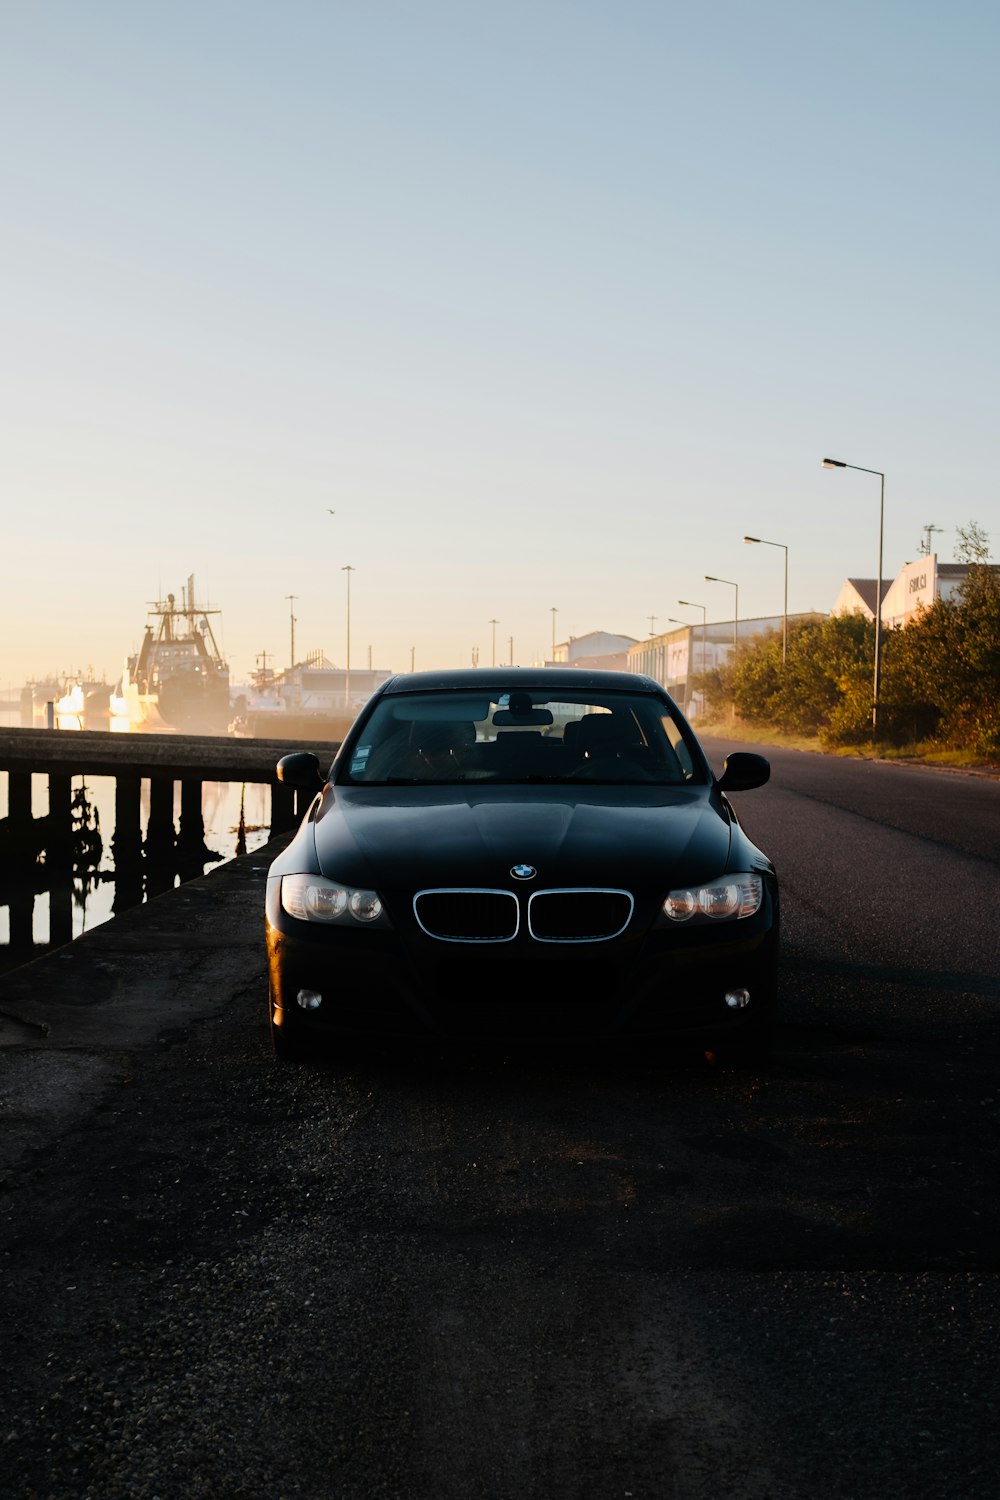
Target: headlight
[312, 898]
[723, 900]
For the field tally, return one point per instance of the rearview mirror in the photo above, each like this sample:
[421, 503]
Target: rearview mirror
[522, 716]
[742, 771]
[301, 770]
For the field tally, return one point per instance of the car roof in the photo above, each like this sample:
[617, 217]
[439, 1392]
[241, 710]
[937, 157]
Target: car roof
[476, 679]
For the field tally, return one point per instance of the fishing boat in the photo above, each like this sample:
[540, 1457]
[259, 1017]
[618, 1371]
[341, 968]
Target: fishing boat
[85, 699]
[177, 680]
[314, 700]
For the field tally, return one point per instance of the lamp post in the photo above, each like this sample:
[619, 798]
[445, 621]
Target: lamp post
[689, 604]
[291, 616]
[672, 620]
[493, 660]
[736, 614]
[836, 463]
[784, 618]
[553, 612]
[347, 679]
[736, 627]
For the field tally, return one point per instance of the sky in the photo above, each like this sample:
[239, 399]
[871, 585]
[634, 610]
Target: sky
[549, 303]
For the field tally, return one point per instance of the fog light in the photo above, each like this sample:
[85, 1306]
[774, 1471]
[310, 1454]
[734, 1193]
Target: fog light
[310, 999]
[736, 999]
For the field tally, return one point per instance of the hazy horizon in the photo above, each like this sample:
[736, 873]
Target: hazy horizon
[550, 305]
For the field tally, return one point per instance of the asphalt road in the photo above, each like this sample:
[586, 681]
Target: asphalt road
[485, 1275]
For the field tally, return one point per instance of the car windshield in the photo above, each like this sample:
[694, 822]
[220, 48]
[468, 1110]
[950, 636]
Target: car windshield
[615, 738]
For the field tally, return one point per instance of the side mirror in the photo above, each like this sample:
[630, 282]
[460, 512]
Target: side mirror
[301, 770]
[741, 772]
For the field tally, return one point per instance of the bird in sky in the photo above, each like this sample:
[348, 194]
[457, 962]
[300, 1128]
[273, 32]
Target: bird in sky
[330, 512]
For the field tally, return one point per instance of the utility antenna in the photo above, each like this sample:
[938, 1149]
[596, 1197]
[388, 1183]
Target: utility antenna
[927, 545]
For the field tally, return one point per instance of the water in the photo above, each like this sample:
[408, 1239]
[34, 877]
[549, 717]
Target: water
[36, 903]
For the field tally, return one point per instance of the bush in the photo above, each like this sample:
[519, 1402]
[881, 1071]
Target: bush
[940, 675]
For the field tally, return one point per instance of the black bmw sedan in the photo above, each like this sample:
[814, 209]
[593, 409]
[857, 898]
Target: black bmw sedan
[522, 854]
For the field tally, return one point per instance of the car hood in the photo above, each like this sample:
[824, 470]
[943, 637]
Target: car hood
[432, 836]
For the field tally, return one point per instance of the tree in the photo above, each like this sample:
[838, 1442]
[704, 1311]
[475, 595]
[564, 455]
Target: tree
[940, 673]
[973, 545]
[827, 673]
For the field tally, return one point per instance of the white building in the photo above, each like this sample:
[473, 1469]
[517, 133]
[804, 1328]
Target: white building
[915, 587]
[857, 597]
[598, 648]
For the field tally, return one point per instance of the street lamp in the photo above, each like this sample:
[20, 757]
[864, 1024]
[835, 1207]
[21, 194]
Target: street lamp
[554, 611]
[689, 604]
[494, 623]
[736, 627]
[347, 679]
[784, 618]
[672, 620]
[836, 463]
[736, 615]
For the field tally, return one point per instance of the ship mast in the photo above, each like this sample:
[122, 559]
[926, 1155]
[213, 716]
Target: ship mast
[195, 613]
[167, 612]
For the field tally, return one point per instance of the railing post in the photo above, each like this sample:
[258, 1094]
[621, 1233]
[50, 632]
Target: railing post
[22, 849]
[191, 852]
[192, 832]
[161, 856]
[59, 831]
[126, 844]
[160, 828]
[127, 841]
[282, 808]
[59, 859]
[19, 799]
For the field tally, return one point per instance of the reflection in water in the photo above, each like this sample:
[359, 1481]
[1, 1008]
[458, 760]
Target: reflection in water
[55, 856]
[58, 882]
[85, 832]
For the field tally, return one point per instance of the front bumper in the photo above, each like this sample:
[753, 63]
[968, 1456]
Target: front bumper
[395, 985]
